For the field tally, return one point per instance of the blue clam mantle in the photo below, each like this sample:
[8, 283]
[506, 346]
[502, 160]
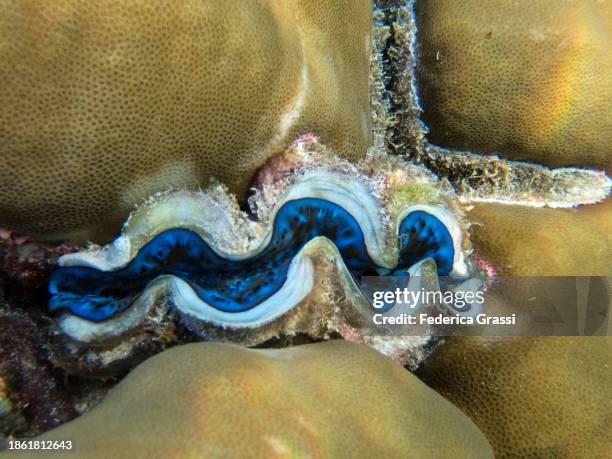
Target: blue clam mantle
[237, 285]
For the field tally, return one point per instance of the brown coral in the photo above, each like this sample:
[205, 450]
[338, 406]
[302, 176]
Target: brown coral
[527, 241]
[537, 254]
[105, 103]
[532, 396]
[530, 80]
[332, 399]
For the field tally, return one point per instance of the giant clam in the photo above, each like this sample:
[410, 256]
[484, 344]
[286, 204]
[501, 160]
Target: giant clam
[293, 269]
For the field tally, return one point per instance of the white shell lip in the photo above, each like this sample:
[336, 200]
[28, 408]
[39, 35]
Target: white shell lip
[460, 268]
[107, 258]
[215, 216]
[354, 196]
[300, 278]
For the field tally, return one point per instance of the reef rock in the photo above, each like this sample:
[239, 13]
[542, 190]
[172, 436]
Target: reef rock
[331, 399]
[33, 397]
[106, 103]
